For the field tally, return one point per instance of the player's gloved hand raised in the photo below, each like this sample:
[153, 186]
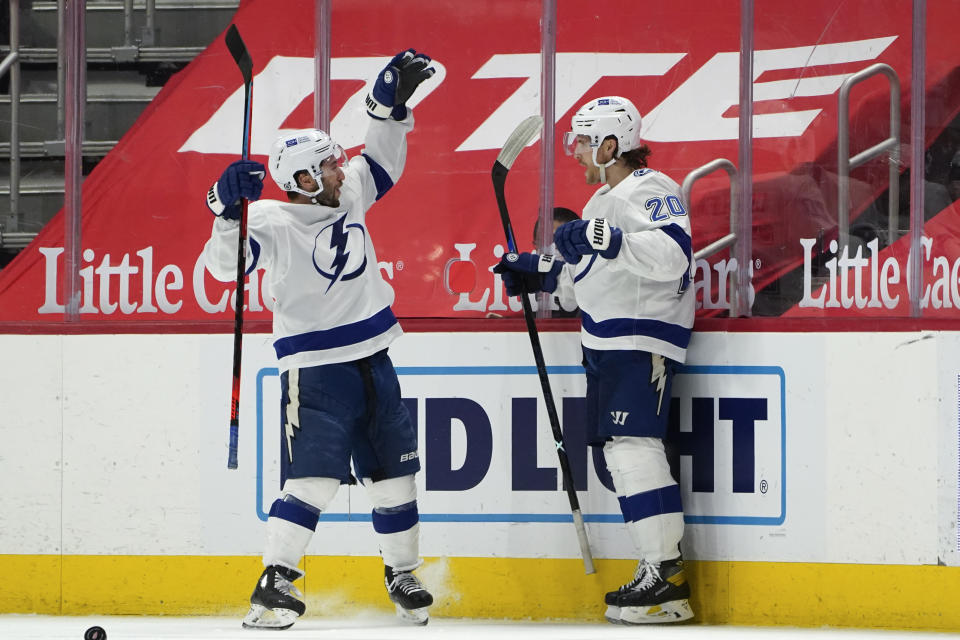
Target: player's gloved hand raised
[528, 271]
[586, 237]
[242, 179]
[396, 83]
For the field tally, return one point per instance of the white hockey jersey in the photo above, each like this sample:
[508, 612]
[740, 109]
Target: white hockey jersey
[332, 304]
[642, 299]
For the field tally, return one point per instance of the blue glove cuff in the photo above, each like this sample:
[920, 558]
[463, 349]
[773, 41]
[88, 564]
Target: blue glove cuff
[380, 111]
[219, 208]
[550, 270]
[377, 109]
[613, 250]
[214, 203]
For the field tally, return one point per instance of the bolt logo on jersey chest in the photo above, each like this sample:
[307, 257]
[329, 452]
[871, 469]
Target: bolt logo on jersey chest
[339, 251]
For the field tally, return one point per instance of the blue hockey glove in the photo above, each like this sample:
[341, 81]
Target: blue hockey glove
[242, 179]
[396, 83]
[528, 271]
[585, 237]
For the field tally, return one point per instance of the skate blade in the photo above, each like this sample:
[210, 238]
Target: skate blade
[259, 617]
[674, 611]
[613, 614]
[414, 616]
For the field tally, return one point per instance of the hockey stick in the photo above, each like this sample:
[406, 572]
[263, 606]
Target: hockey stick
[521, 136]
[242, 57]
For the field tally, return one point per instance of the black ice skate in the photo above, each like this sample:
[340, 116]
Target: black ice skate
[274, 603]
[409, 595]
[658, 593]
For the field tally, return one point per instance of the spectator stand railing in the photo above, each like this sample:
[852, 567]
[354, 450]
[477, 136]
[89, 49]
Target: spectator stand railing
[728, 240]
[890, 146]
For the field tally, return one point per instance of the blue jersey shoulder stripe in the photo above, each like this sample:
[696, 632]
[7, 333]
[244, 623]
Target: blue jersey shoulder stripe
[619, 327]
[342, 336]
[380, 176]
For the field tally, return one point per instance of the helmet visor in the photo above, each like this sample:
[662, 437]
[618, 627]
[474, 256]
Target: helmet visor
[329, 165]
[574, 144]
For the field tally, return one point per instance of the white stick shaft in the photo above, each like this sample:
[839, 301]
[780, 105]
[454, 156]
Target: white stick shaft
[584, 544]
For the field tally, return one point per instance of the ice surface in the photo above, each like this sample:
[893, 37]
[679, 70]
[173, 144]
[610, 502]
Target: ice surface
[386, 627]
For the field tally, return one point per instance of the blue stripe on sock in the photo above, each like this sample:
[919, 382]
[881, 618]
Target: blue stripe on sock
[297, 501]
[396, 519]
[293, 512]
[651, 503]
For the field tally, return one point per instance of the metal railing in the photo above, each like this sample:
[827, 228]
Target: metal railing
[133, 48]
[148, 35]
[845, 163]
[12, 63]
[115, 54]
[16, 239]
[729, 240]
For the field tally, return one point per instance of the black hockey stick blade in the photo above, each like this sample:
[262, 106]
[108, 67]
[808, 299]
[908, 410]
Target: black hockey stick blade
[240, 54]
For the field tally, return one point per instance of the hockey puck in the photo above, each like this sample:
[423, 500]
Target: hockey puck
[95, 633]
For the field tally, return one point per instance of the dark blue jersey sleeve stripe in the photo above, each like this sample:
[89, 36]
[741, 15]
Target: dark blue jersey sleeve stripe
[686, 245]
[255, 250]
[681, 237]
[580, 275]
[380, 176]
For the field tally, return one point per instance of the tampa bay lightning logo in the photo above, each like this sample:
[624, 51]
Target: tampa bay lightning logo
[341, 248]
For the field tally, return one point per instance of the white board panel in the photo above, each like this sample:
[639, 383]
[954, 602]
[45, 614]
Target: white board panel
[808, 447]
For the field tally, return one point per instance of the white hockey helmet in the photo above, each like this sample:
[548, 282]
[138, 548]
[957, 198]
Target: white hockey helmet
[602, 118]
[303, 150]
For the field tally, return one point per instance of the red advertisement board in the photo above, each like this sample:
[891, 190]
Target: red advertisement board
[437, 232]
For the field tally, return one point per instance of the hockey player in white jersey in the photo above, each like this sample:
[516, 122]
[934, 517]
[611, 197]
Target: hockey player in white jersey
[332, 324]
[629, 262]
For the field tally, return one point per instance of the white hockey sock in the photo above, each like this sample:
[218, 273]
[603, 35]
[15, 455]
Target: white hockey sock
[293, 519]
[401, 550]
[649, 497]
[286, 543]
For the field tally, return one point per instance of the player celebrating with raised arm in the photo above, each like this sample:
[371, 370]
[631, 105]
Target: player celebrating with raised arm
[629, 262]
[332, 324]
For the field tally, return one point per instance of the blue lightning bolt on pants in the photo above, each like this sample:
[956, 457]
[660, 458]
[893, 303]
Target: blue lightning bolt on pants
[628, 394]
